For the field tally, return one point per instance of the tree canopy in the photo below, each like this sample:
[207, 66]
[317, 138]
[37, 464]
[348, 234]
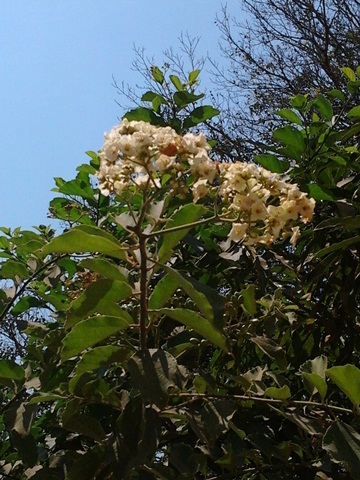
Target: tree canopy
[197, 317]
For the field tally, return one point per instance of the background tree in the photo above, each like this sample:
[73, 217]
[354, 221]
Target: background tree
[280, 50]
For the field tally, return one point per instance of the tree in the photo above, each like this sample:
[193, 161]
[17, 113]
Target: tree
[280, 50]
[190, 333]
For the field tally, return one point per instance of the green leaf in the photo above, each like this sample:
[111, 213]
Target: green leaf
[87, 465]
[199, 324]
[272, 350]
[344, 223]
[85, 239]
[354, 112]
[176, 82]
[14, 270]
[102, 356]
[11, 374]
[164, 290]
[84, 424]
[187, 214]
[342, 443]
[290, 136]
[153, 372]
[104, 268]
[182, 99]
[316, 192]
[272, 163]
[91, 331]
[144, 114]
[249, 300]
[102, 297]
[197, 297]
[336, 246]
[193, 76]
[282, 393]
[299, 101]
[289, 115]
[25, 303]
[349, 73]
[317, 383]
[347, 378]
[337, 94]
[324, 107]
[157, 74]
[199, 115]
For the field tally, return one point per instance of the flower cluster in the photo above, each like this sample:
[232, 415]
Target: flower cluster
[259, 204]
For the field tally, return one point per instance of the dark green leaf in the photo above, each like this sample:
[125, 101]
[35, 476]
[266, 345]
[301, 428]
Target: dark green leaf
[299, 101]
[315, 191]
[199, 324]
[144, 115]
[249, 300]
[104, 268]
[25, 303]
[102, 356]
[199, 115]
[324, 107]
[183, 98]
[163, 291]
[354, 112]
[337, 246]
[84, 424]
[11, 374]
[272, 350]
[272, 163]
[291, 137]
[153, 372]
[342, 443]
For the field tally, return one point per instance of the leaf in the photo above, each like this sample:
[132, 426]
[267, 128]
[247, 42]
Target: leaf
[316, 192]
[91, 331]
[165, 288]
[157, 74]
[199, 324]
[354, 112]
[176, 82]
[25, 303]
[144, 114]
[282, 393]
[342, 443]
[272, 350]
[317, 383]
[13, 269]
[187, 214]
[289, 115]
[85, 239]
[347, 378]
[345, 223]
[272, 163]
[324, 107]
[11, 374]
[193, 76]
[199, 115]
[197, 297]
[249, 300]
[84, 424]
[102, 297]
[298, 101]
[291, 137]
[87, 465]
[337, 94]
[104, 268]
[102, 356]
[153, 372]
[182, 99]
[349, 73]
[336, 246]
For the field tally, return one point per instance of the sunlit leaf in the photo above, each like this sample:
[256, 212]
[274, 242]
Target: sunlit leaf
[272, 163]
[91, 331]
[272, 350]
[282, 393]
[85, 239]
[102, 356]
[347, 378]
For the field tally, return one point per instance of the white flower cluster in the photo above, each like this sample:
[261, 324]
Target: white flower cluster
[260, 205]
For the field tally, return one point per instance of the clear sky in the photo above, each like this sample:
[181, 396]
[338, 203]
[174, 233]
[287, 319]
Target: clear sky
[57, 60]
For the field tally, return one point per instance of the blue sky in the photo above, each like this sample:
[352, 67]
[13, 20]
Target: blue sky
[57, 60]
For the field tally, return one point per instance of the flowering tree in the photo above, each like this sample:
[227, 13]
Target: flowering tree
[171, 328]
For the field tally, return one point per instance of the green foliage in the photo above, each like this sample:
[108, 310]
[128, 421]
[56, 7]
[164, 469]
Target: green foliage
[157, 349]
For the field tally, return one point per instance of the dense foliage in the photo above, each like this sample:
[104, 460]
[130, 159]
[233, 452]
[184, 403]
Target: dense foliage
[180, 327]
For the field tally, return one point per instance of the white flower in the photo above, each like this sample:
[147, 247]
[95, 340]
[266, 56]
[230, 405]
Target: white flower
[238, 232]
